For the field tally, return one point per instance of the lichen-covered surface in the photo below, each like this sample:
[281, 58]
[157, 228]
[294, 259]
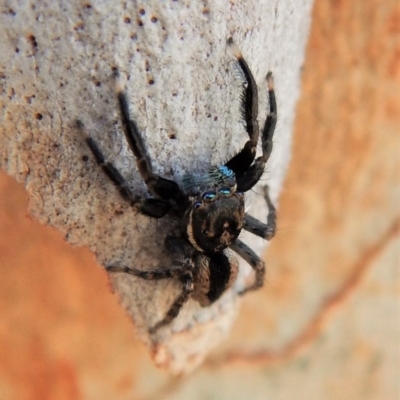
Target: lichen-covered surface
[326, 325]
[56, 59]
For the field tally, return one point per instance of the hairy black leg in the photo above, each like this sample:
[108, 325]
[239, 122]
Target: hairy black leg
[256, 227]
[255, 262]
[183, 273]
[181, 253]
[160, 187]
[249, 108]
[155, 208]
[246, 181]
[270, 122]
[151, 275]
[187, 289]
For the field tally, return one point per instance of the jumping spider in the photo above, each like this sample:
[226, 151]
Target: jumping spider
[209, 208]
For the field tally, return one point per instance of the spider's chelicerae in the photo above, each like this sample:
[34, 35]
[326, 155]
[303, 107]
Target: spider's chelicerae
[209, 207]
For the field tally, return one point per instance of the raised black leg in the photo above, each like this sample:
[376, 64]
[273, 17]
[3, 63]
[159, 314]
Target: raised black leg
[246, 181]
[256, 227]
[249, 108]
[160, 187]
[155, 208]
[255, 262]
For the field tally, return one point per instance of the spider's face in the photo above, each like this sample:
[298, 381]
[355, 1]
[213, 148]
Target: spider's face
[215, 219]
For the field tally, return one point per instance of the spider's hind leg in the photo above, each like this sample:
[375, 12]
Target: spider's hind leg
[187, 289]
[182, 254]
[183, 273]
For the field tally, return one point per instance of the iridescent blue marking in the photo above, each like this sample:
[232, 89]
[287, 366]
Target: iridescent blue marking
[226, 171]
[209, 196]
[197, 204]
[225, 191]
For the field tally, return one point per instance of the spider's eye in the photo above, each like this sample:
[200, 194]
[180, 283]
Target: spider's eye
[225, 191]
[209, 196]
[197, 204]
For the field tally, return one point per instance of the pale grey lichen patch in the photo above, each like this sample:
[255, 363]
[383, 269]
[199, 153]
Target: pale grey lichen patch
[55, 66]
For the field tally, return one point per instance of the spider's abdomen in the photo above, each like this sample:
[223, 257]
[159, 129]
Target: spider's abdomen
[213, 274]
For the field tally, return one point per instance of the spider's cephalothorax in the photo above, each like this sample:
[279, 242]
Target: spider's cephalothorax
[215, 221]
[209, 207]
[215, 216]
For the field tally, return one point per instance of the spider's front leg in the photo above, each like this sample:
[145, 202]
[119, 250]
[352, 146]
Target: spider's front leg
[266, 231]
[256, 227]
[240, 163]
[255, 262]
[248, 179]
[181, 253]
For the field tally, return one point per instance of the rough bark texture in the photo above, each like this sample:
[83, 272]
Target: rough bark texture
[55, 66]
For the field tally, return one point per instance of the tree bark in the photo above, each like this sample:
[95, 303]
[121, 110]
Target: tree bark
[56, 59]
